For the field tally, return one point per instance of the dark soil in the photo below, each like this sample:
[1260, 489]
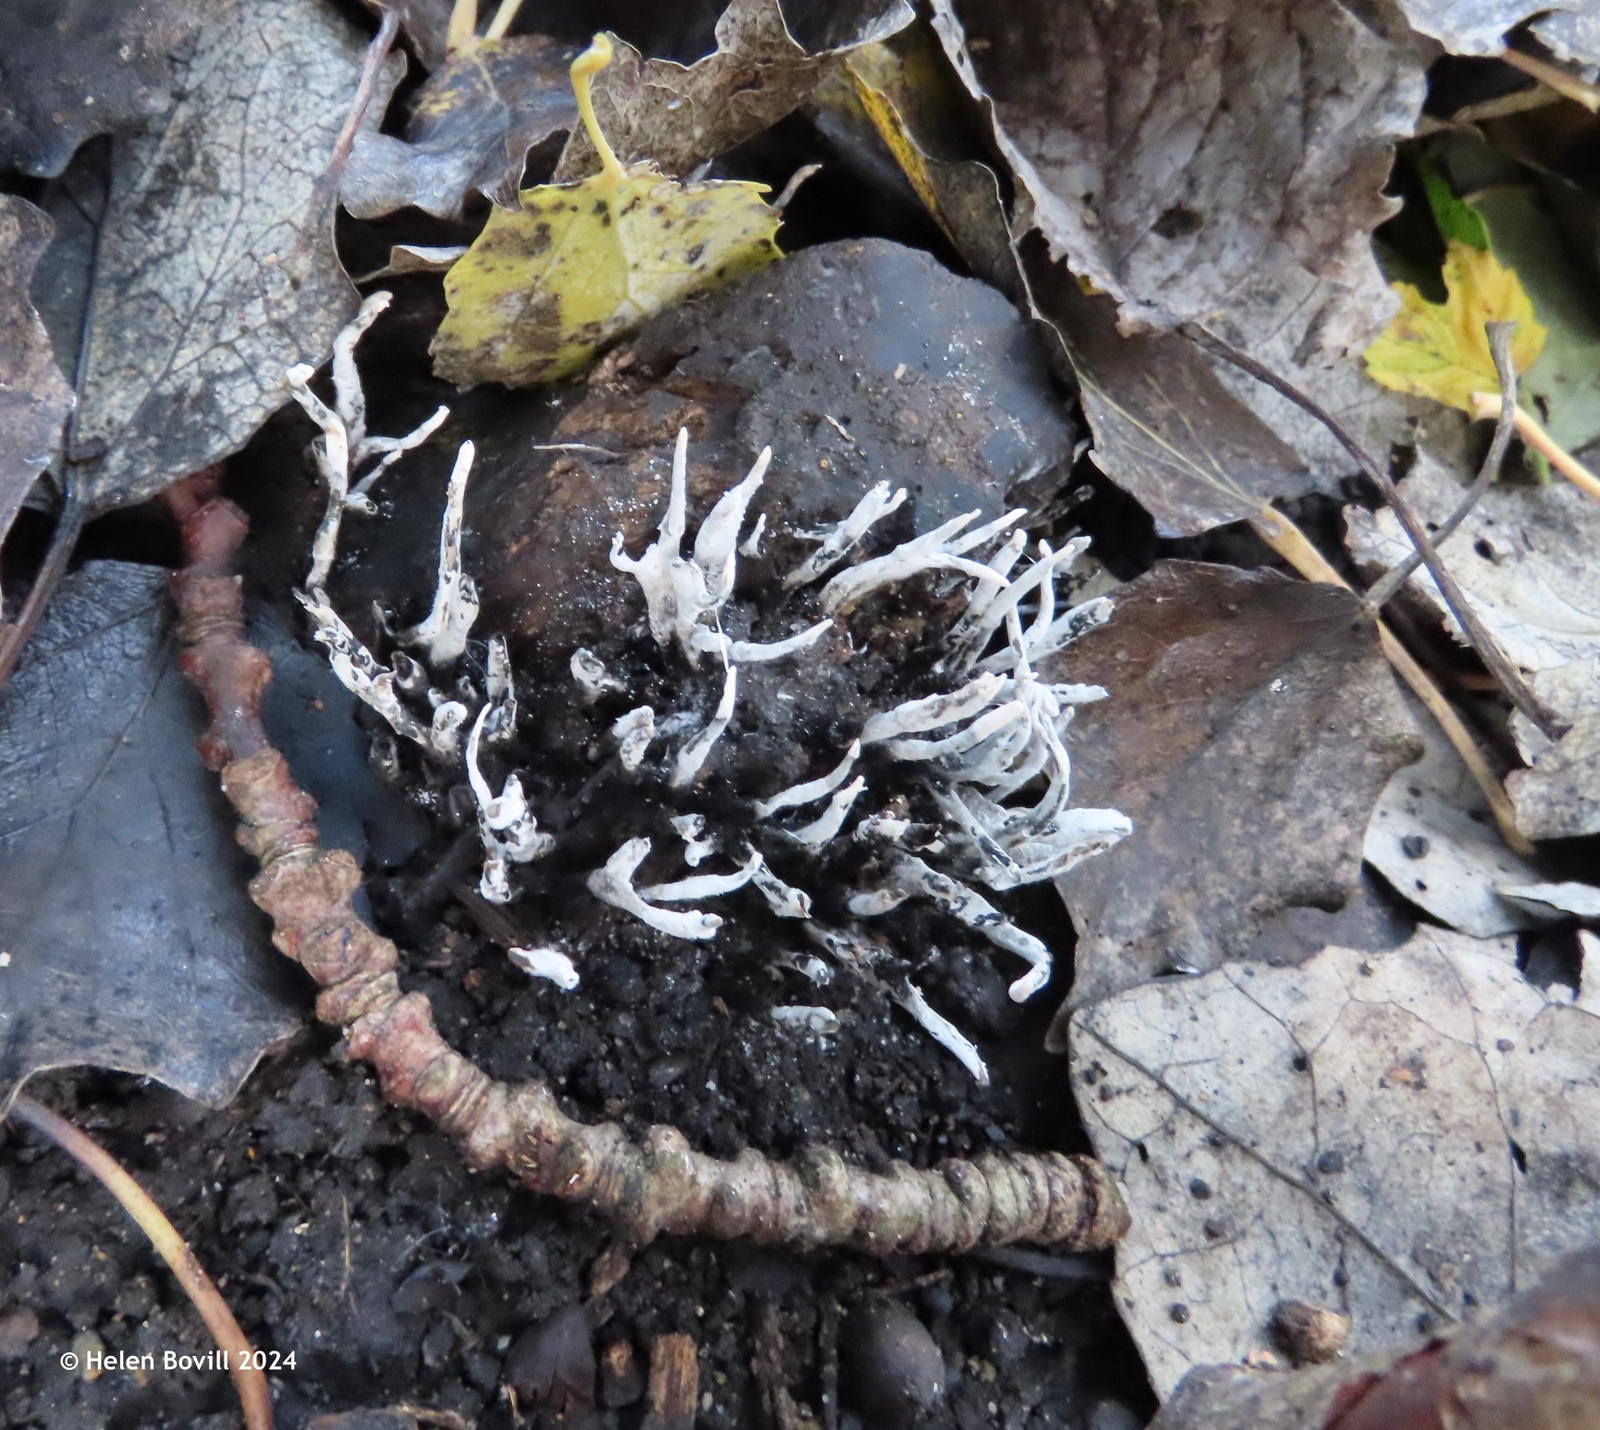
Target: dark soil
[350, 1238]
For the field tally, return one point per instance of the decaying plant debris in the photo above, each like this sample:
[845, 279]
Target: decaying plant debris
[835, 706]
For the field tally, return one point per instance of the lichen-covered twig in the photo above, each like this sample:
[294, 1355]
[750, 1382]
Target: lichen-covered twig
[254, 1397]
[657, 1185]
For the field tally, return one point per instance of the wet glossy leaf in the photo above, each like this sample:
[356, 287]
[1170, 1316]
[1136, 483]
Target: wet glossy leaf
[129, 939]
[131, 942]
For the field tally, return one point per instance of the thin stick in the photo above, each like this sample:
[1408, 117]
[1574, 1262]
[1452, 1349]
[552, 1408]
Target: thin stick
[1554, 77]
[1285, 538]
[237, 1351]
[1379, 594]
[63, 542]
[372, 65]
[503, 19]
[1486, 404]
[1549, 721]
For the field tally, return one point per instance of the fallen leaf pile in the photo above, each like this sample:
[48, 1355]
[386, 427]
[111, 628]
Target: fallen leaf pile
[1331, 1012]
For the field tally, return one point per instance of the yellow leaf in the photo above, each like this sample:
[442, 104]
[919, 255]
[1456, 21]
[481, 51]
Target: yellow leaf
[1440, 350]
[578, 265]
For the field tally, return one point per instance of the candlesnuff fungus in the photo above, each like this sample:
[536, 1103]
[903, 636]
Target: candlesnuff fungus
[659, 1184]
[980, 756]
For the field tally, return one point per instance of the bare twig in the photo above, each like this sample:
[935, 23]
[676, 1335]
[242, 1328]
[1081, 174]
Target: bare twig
[174, 1250]
[63, 542]
[1382, 591]
[371, 67]
[661, 1185]
[1284, 537]
[1486, 404]
[1511, 682]
[1569, 86]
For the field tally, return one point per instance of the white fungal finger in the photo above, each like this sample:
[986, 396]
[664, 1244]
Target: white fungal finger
[783, 899]
[714, 546]
[822, 1021]
[692, 757]
[691, 829]
[633, 733]
[355, 668]
[754, 652]
[801, 794]
[613, 885]
[839, 541]
[508, 828]
[929, 713]
[943, 1032]
[502, 693]
[820, 831]
[980, 729]
[443, 632]
[349, 396]
[590, 672]
[977, 913]
[702, 886]
[547, 963]
[751, 545]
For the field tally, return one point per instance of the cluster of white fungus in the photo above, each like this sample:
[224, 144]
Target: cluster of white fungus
[987, 753]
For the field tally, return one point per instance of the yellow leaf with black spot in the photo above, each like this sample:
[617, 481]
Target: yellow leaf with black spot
[579, 265]
[1440, 350]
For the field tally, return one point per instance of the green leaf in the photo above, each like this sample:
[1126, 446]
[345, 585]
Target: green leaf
[1457, 220]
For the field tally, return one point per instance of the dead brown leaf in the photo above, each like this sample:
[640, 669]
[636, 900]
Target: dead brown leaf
[1524, 556]
[680, 115]
[1252, 725]
[1394, 1136]
[472, 124]
[77, 68]
[34, 397]
[215, 268]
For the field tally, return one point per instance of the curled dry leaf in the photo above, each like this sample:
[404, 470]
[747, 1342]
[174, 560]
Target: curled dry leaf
[471, 127]
[77, 68]
[1251, 726]
[215, 265]
[1398, 1136]
[677, 116]
[1165, 149]
[34, 397]
[1524, 557]
[1167, 429]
